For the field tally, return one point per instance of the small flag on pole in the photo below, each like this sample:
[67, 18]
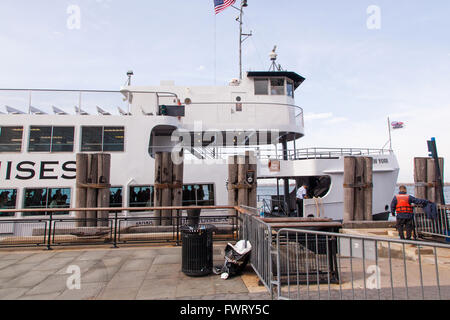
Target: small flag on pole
[220, 5]
[398, 125]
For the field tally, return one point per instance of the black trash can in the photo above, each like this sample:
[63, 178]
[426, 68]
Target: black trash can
[197, 250]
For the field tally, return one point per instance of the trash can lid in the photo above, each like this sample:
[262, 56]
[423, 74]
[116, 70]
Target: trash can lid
[197, 229]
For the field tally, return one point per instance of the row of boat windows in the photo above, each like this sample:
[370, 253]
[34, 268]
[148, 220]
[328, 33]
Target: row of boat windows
[142, 196]
[61, 139]
[274, 86]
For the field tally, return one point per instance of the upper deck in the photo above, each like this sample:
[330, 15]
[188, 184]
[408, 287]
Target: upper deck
[262, 101]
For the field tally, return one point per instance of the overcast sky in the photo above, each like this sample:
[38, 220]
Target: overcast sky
[356, 75]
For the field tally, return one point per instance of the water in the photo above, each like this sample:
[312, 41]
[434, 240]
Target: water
[410, 190]
[264, 191]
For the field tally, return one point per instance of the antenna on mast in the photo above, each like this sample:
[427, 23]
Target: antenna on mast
[242, 36]
[273, 57]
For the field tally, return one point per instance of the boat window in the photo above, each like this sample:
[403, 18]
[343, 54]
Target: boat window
[102, 139]
[11, 139]
[277, 86]
[290, 89]
[44, 198]
[115, 197]
[40, 139]
[51, 139]
[198, 195]
[91, 139]
[261, 86]
[8, 199]
[141, 197]
[62, 139]
[113, 138]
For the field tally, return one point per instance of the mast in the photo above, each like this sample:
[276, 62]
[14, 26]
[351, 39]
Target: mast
[242, 36]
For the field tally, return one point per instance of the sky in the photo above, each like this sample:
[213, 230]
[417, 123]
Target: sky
[363, 61]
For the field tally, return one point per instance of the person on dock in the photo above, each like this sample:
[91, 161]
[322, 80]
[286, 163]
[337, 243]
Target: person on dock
[302, 193]
[402, 206]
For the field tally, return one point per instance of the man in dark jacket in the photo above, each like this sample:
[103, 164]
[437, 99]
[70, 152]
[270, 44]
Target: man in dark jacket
[402, 206]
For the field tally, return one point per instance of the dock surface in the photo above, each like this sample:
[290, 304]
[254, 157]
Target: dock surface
[116, 274]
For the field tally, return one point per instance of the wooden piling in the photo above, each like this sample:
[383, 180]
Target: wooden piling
[253, 191]
[359, 191]
[420, 177]
[431, 179]
[91, 196]
[178, 170]
[103, 195]
[368, 191]
[232, 181]
[349, 191]
[242, 179]
[158, 191]
[441, 167]
[82, 166]
[166, 195]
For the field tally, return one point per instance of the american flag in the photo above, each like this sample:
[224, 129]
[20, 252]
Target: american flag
[220, 5]
[397, 125]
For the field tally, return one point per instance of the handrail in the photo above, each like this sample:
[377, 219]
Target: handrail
[90, 91]
[243, 103]
[131, 209]
[306, 153]
[365, 237]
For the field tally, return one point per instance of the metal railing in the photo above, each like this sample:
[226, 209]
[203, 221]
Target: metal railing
[265, 152]
[260, 236]
[327, 153]
[82, 95]
[427, 227]
[323, 265]
[306, 264]
[116, 229]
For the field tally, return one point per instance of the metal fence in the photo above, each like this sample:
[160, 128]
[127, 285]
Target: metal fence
[438, 228]
[321, 265]
[117, 229]
[296, 264]
[261, 237]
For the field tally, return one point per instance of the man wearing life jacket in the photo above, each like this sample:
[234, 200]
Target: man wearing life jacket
[402, 206]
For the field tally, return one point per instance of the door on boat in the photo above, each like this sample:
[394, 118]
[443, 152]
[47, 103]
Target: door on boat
[239, 109]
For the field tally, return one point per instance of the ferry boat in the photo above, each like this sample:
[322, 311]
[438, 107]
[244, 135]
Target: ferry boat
[256, 112]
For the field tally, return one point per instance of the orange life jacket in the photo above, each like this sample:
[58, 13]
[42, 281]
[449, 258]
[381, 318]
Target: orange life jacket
[403, 205]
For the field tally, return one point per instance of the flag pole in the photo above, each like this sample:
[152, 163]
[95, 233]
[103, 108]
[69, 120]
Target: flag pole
[390, 136]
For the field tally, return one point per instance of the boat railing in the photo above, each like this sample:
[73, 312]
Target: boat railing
[297, 113]
[272, 153]
[83, 101]
[328, 153]
[33, 99]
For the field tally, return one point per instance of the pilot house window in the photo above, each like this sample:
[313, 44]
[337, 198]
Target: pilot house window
[11, 139]
[273, 86]
[290, 89]
[277, 86]
[104, 139]
[261, 86]
[51, 139]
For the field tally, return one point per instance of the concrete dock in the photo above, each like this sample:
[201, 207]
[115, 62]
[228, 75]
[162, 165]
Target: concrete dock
[117, 274]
